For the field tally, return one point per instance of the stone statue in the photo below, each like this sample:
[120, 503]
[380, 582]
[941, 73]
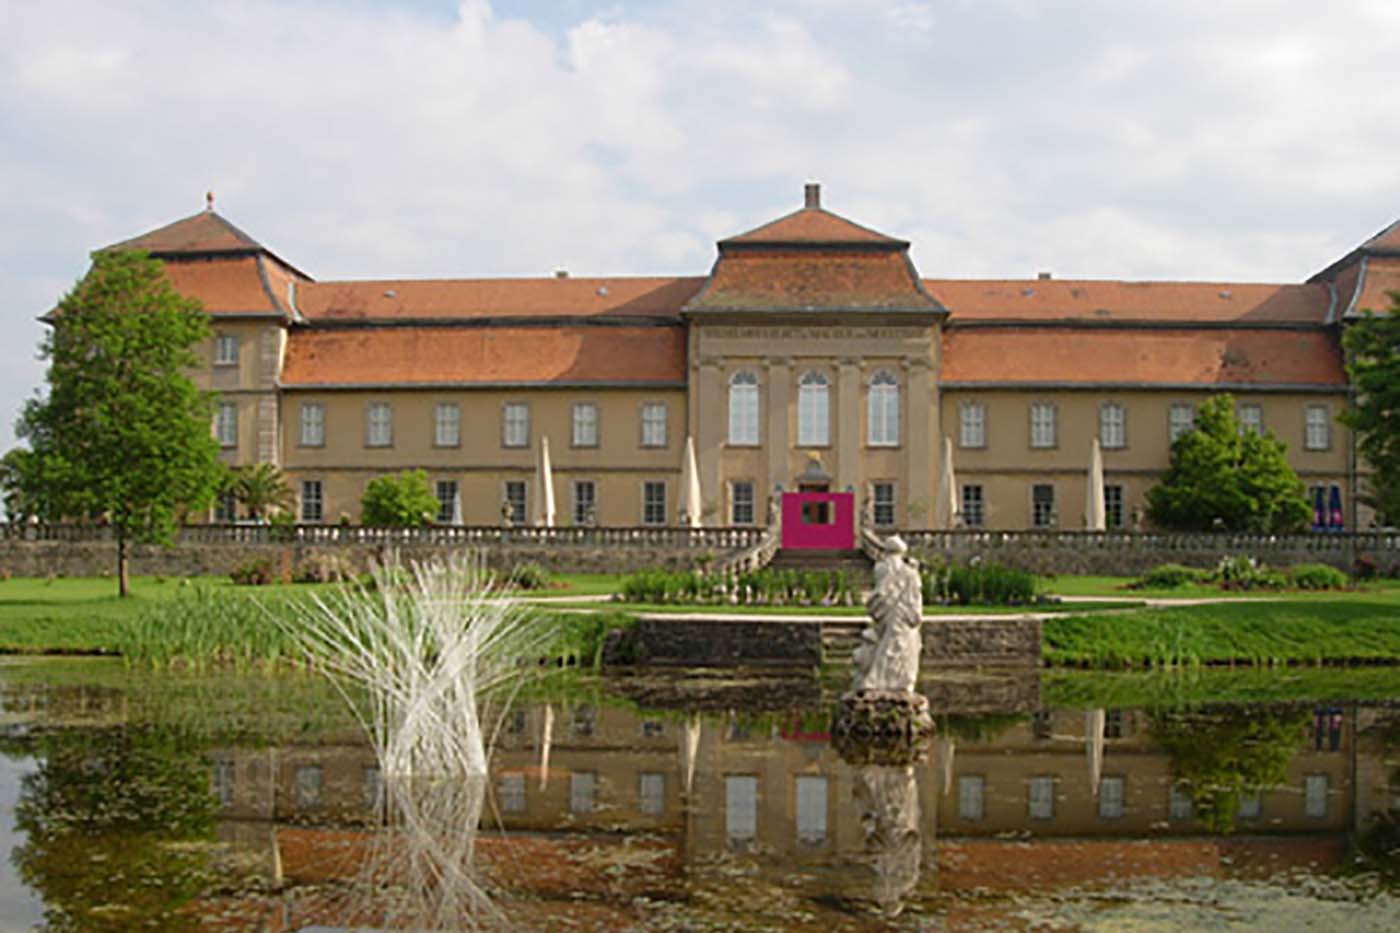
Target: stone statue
[889, 805]
[888, 656]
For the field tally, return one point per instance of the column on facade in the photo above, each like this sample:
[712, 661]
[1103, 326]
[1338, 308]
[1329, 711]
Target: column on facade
[919, 445]
[848, 434]
[709, 413]
[778, 387]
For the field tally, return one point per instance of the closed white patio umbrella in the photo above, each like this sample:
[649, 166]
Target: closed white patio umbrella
[543, 516]
[691, 506]
[945, 510]
[1094, 722]
[1095, 518]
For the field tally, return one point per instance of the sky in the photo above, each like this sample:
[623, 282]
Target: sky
[1225, 140]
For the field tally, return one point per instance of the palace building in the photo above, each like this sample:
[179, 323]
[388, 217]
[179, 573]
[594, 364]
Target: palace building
[811, 357]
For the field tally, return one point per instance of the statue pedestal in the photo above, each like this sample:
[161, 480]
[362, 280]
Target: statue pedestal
[885, 727]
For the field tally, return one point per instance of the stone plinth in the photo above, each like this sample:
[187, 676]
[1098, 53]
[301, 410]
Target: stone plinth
[884, 727]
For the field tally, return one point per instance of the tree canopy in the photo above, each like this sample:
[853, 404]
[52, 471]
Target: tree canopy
[122, 435]
[261, 488]
[403, 500]
[1373, 362]
[1222, 478]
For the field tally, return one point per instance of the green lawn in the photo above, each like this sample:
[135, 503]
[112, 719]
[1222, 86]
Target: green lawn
[582, 584]
[1072, 586]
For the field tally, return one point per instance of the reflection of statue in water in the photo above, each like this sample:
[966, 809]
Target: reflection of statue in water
[888, 656]
[889, 812]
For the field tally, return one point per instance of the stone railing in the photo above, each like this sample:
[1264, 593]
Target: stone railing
[757, 555]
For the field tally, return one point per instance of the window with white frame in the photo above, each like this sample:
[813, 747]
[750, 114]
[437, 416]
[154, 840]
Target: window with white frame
[882, 507]
[379, 424]
[515, 425]
[740, 808]
[447, 424]
[1251, 418]
[653, 503]
[1181, 418]
[654, 424]
[585, 502]
[972, 425]
[1315, 796]
[1042, 424]
[449, 498]
[1316, 427]
[226, 424]
[1113, 506]
[811, 809]
[974, 506]
[226, 507]
[1113, 423]
[313, 424]
[651, 793]
[583, 791]
[741, 502]
[971, 797]
[1040, 798]
[585, 425]
[743, 408]
[515, 501]
[883, 410]
[1181, 806]
[1110, 797]
[1251, 806]
[510, 792]
[813, 410]
[1043, 505]
[225, 349]
[313, 506]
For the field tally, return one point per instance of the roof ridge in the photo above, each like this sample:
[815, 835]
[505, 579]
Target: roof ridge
[763, 232]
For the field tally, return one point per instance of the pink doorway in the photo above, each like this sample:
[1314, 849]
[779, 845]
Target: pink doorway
[819, 520]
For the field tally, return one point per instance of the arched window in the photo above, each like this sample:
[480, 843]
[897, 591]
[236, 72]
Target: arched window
[883, 414]
[743, 408]
[813, 411]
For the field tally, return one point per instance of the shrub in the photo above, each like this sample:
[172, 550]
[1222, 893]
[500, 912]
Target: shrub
[985, 584]
[1365, 568]
[1167, 577]
[1246, 573]
[530, 577]
[254, 573]
[404, 500]
[1316, 577]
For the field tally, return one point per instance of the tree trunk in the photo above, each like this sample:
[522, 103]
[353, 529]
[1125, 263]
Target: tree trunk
[123, 579]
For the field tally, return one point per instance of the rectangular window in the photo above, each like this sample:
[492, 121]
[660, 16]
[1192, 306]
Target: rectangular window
[1110, 798]
[583, 791]
[225, 350]
[974, 506]
[654, 424]
[308, 782]
[447, 424]
[515, 425]
[971, 797]
[379, 425]
[1315, 796]
[1180, 804]
[651, 793]
[226, 507]
[1180, 419]
[515, 501]
[882, 411]
[1042, 424]
[1251, 418]
[653, 503]
[743, 409]
[1043, 505]
[585, 502]
[740, 808]
[1113, 430]
[372, 788]
[811, 809]
[449, 502]
[883, 507]
[741, 503]
[585, 425]
[226, 424]
[223, 781]
[585, 719]
[972, 425]
[1316, 428]
[313, 424]
[1040, 800]
[510, 792]
[1113, 506]
[1251, 806]
[653, 728]
[313, 509]
[1042, 724]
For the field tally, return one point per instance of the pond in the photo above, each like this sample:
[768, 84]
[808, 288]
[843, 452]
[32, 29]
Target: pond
[693, 803]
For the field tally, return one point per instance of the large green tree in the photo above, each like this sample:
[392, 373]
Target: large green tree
[122, 435]
[1223, 478]
[403, 500]
[1373, 362]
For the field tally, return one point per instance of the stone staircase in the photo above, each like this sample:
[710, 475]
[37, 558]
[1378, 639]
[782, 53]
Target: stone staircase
[802, 559]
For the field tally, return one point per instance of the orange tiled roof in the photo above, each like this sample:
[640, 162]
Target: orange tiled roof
[430, 355]
[205, 232]
[1380, 277]
[813, 280]
[232, 285]
[481, 298]
[1057, 299]
[811, 225]
[1027, 354]
[1385, 241]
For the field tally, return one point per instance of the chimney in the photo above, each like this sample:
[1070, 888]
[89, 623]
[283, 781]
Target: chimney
[812, 195]
[1043, 276]
[561, 273]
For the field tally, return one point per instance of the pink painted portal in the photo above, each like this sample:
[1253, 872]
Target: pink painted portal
[824, 520]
